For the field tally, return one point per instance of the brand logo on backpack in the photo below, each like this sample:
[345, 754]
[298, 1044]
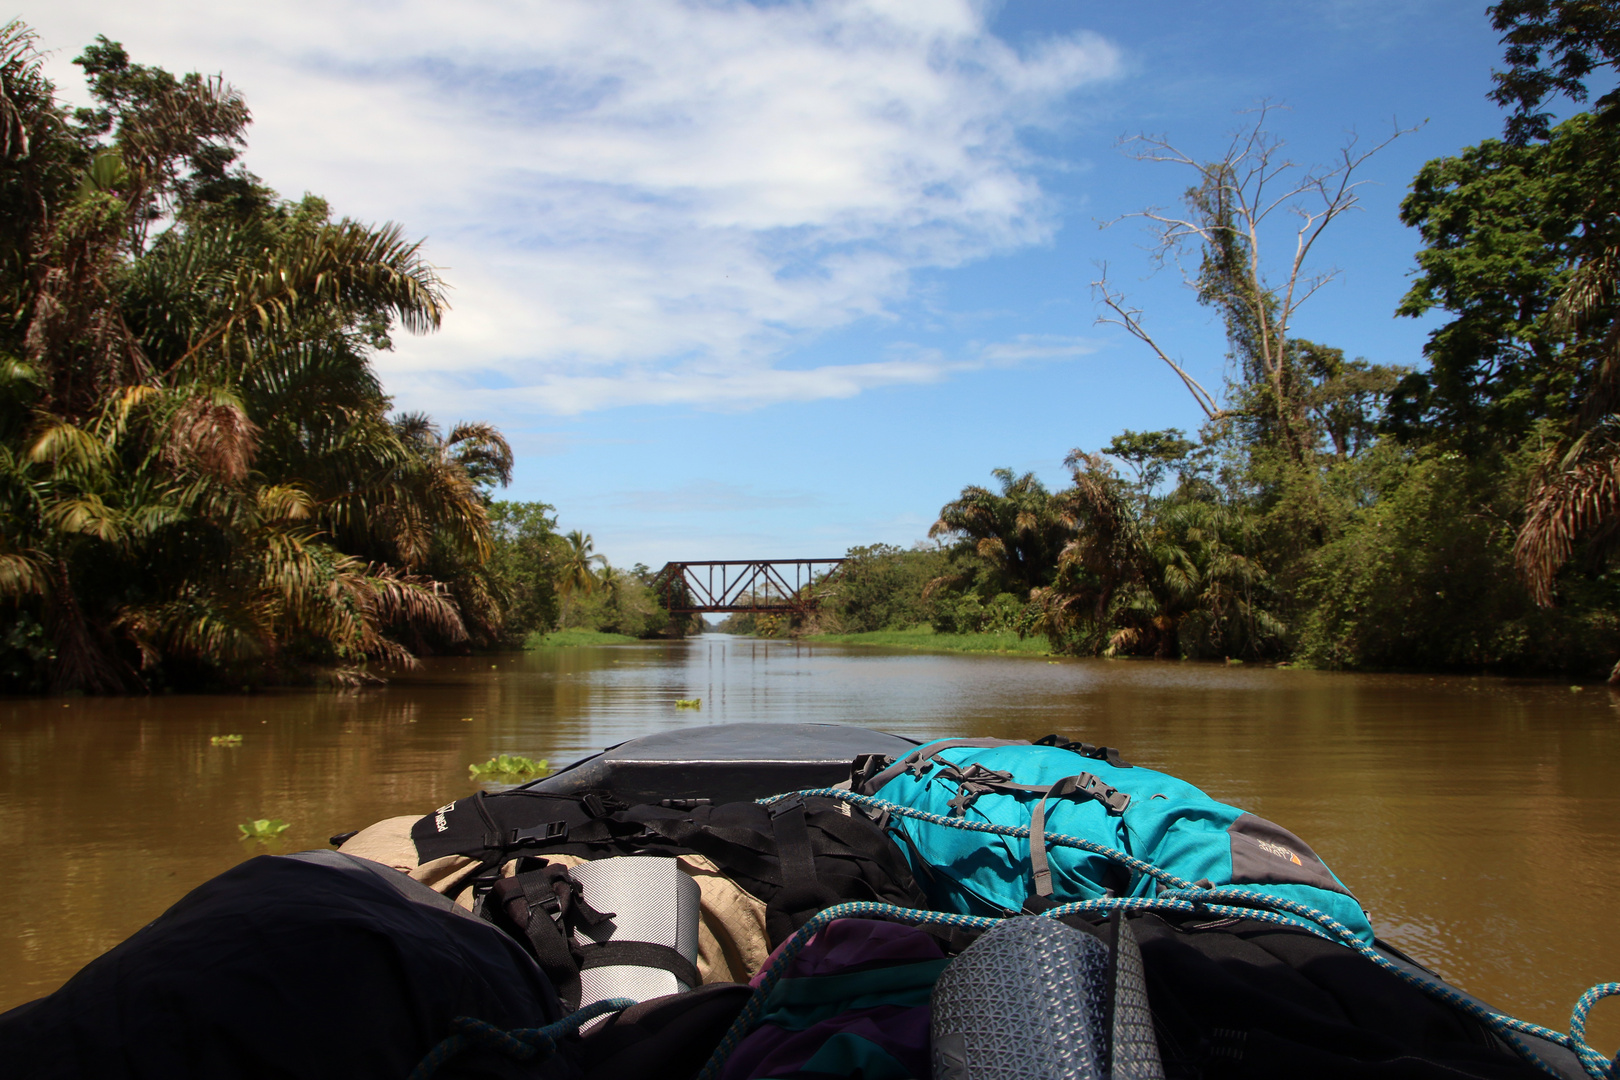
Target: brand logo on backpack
[440, 822]
[1278, 850]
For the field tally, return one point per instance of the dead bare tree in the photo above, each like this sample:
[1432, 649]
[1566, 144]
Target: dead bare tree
[1226, 212]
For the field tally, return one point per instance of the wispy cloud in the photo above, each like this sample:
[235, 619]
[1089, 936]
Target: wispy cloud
[1026, 347]
[642, 202]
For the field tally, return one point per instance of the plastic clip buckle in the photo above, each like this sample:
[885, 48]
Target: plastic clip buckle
[540, 834]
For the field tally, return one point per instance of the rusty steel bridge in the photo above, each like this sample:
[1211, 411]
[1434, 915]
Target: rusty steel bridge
[763, 586]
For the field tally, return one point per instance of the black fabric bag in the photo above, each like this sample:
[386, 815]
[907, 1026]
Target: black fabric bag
[798, 855]
[1241, 998]
[669, 1038]
[312, 965]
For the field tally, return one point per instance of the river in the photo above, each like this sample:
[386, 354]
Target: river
[1477, 819]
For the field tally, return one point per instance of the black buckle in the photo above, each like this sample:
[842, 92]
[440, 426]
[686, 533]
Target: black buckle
[540, 834]
[782, 806]
[1085, 749]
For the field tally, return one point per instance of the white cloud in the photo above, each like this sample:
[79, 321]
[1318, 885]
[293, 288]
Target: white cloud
[1037, 347]
[639, 202]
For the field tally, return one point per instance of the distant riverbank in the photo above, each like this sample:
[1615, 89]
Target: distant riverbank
[925, 637]
[563, 639]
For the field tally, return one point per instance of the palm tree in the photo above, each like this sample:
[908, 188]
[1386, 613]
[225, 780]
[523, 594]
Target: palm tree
[196, 462]
[1107, 552]
[1200, 587]
[1018, 532]
[1575, 496]
[1575, 491]
[574, 570]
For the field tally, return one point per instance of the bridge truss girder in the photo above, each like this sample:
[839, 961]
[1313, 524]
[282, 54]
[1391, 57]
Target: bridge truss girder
[764, 586]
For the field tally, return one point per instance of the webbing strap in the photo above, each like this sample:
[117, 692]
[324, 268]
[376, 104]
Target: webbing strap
[793, 851]
[923, 753]
[1083, 783]
[539, 899]
[645, 954]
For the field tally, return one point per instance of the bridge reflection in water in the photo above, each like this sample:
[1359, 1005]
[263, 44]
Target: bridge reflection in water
[787, 586]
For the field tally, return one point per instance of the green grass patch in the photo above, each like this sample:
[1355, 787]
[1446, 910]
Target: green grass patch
[565, 639]
[924, 637]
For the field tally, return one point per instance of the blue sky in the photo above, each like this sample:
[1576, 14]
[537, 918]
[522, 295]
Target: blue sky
[771, 280]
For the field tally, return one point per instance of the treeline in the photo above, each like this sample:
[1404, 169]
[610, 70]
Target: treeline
[1334, 511]
[202, 481]
[557, 581]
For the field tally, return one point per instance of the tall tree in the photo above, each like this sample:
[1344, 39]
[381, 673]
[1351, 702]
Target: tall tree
[197, 470]
[1229, 213]
[1501, 225]
[1106, 552]
[576, 566]
[1016, 532]
[1554, 47]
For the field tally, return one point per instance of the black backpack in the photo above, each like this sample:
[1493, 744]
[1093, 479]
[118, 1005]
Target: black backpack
[799, 855]
[1243, 998]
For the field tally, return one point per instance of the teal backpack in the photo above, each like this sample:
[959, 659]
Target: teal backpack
[1089, 793]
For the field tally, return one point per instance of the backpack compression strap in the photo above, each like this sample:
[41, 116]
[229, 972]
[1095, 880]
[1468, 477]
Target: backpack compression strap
[1082, 784]
[922, 759]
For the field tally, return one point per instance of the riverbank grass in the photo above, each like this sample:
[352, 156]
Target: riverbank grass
[564, 639]
[924, 637]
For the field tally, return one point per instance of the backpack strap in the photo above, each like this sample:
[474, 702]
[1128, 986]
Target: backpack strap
[543, 906]
[528, 903]
[1081, 784]
[1085, 749]
[646, 954]
[792, 833]
[922, 759]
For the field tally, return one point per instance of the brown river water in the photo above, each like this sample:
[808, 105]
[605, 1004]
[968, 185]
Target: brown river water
[1477, 819]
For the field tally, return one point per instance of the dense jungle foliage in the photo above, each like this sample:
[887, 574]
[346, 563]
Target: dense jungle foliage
[1461, 512]
[201, 479]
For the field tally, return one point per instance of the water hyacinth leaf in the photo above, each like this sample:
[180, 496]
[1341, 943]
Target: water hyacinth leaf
[263, 829]
[508, 767]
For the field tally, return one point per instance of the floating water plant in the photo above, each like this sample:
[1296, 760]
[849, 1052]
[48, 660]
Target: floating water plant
[509, 767]
[225, 740]
[689, 703]
[263, 829]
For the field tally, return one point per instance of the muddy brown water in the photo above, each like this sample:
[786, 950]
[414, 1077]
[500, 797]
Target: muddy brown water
[1477, 819]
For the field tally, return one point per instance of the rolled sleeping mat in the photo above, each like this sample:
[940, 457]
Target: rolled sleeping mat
[1033, 999]
[649, 947]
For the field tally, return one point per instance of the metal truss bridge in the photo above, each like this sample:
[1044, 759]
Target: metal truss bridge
[785, 586]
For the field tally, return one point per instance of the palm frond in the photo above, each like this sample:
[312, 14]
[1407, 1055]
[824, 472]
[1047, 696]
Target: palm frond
[211, 433]
[1571, 500]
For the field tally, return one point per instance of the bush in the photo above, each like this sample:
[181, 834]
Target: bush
[880, 587]
[1423, 577]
